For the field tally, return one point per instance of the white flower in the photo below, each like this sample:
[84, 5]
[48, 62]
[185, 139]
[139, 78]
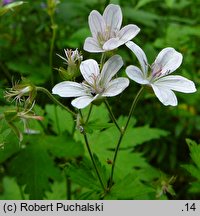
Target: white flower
[96, 84]
[163, 84]
[106, 33]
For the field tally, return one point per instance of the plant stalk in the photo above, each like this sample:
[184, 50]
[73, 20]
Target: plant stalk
[45, 91]
[122, 135]
[112, 115]
[91, 156]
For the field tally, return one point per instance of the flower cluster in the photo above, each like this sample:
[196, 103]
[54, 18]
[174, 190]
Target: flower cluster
[107, 36]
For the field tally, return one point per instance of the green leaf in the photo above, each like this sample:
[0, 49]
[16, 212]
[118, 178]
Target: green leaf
[130, 188]
[91, 126]
[84, 174]
[194, 187]
[139, 135]
[33, 167]
[10, 147]
[11, 190]
[58, 191]
[63, 146]
[140, 16]
[142, 3]
[89, 195]
[194, 152]
[61, 120]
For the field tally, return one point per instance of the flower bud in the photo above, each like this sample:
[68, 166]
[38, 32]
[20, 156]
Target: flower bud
[73, 60]
[21, 93]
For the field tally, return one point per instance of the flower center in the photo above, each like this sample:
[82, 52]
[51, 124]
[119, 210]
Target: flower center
[93, 88]
[106, 35]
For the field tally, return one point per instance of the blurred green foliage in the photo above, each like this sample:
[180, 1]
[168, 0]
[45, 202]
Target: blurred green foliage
[154, 147]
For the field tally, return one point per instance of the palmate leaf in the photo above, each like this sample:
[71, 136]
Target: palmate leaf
[63, 146]
[85, 175]
[130, 187]
[33, 167]
[134, 135]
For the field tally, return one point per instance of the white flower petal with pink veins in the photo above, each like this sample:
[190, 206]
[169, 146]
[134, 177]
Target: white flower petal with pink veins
[139, 53]
[113, 17]
[163, 84]
[92, 45]
[111, 44]
[127, 33]
[106, 31]
[165, 95]
[110, 68]
[115, 87]
[96, 23]
[83, 101]
[90, 70]
[167, 61]
[69, 89]
[176, 83]
[136, 75]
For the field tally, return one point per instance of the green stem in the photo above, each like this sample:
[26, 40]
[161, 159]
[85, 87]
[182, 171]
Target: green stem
[103, 57]
[122, 135]
[112, 115]
[54, 28]
[89, 113]
[45, 91]
[91, 156]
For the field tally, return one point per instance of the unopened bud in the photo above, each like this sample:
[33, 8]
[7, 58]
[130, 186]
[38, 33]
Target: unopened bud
[72, 60]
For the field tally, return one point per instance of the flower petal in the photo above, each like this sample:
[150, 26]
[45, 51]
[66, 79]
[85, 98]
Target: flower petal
[136, 75]
[69, 89]
[127, 33]
[113, 17]
[90, 70]
[96, 23]
[176, 83]
[115, 87]
[82, 102]
[165, 95]
[140, 56]
[92, 45]
[111, 44]
[168, 60]
[110, 68]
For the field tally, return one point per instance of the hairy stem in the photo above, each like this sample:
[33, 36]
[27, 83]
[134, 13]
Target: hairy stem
[122, 135]
[45, 91]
